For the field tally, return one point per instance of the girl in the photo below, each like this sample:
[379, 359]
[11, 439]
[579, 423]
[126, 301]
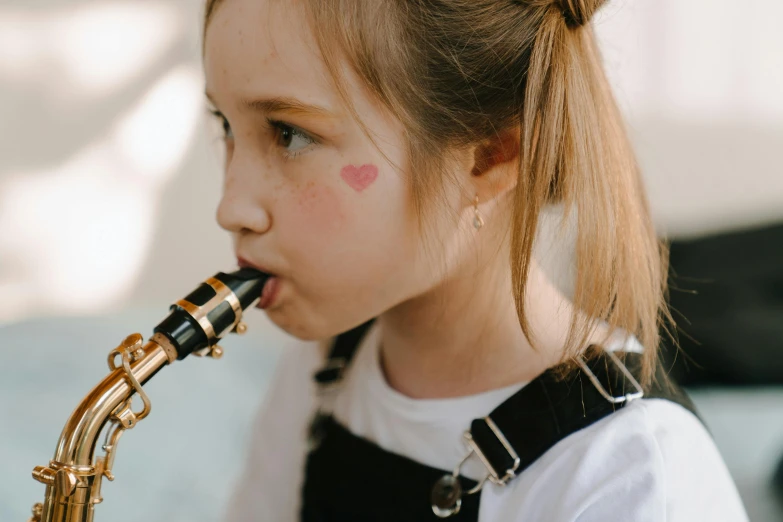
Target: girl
[389, 161]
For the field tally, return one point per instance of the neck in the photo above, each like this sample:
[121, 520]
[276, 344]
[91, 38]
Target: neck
[463, 337]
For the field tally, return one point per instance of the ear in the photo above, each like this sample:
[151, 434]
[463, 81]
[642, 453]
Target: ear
[495, 168]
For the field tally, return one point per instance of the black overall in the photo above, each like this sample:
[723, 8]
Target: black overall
[350, 479]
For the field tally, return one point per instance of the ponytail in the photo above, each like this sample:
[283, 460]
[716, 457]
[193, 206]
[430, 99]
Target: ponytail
[575, 151]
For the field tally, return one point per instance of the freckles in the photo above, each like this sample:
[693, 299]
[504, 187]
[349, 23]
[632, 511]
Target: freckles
[359, 178]
[319, 208]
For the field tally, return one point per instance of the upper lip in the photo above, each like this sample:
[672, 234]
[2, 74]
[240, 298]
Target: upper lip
[242, 262]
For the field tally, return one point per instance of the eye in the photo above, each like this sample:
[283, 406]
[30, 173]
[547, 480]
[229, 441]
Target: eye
[290, 138]
[227, 132]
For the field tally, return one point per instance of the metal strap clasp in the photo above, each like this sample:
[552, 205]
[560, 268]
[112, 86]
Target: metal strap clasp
[446, 496]
[628, 397]
[492, 475]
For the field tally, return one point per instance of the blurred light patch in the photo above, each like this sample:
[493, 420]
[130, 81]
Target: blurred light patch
[154, 137]
[104, 45]
[699, 60]
[22, 48]
[74, 238]
[91, 49]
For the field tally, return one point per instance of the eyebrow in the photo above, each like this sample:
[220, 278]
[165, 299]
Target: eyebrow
[281, 104]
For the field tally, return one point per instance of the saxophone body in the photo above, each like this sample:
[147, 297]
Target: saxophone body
[74, 476]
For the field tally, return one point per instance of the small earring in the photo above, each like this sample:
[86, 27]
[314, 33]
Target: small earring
[478, 221]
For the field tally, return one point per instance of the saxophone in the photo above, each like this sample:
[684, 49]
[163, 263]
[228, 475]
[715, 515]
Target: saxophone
[195, 325]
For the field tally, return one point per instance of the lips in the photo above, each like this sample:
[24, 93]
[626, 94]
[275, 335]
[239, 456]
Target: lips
[244, 263]
[269, 292]
[271, 287]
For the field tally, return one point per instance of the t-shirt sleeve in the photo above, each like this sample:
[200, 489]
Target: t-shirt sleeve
[669, 470]
[269, 487]
[631, 486]
[652, 461]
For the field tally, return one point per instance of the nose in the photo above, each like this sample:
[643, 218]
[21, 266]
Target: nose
[241, 206]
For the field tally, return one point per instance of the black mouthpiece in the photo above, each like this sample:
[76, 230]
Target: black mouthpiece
[184, 329]
[246, 283]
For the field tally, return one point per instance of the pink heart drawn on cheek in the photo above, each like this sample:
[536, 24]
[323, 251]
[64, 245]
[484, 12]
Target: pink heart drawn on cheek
[359, 178]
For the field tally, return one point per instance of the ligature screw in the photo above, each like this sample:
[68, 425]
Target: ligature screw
[133, 342]
[216, 352]
[241, 328]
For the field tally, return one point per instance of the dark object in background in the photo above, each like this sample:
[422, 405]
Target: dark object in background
[726, 293]
[777, 482]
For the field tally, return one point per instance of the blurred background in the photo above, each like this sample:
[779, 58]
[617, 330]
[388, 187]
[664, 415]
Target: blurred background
[110, 174]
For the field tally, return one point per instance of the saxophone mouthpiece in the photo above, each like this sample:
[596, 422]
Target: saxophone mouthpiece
[246, 283]
[213, 309]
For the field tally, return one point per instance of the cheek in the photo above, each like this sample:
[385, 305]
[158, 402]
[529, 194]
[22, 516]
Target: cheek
[330, 230]
[318, 212]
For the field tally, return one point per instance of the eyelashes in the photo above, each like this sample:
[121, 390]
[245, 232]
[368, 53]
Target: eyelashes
[291, 135]
[292, 140]
[227, 133]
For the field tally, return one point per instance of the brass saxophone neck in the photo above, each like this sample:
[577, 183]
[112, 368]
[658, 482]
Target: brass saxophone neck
[195, 324]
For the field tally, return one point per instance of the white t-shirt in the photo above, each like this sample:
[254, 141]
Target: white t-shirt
[651, 461]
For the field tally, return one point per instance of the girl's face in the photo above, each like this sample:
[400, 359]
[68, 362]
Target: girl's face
[306, 194]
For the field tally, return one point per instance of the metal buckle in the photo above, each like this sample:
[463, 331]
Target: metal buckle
[450, 483]
[492, 474]
[628, 397]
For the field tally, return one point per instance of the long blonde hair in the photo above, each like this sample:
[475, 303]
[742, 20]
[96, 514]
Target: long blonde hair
[455, 72]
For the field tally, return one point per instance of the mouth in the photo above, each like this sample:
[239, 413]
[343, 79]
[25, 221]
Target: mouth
[271, 288]
[244, 263]
[269, 292]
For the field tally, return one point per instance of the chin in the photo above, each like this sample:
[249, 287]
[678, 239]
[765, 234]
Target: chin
[300, 326]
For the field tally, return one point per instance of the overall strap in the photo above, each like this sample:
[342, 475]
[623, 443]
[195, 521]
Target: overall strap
[507, 440]
[341, 354]
[556, 408]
